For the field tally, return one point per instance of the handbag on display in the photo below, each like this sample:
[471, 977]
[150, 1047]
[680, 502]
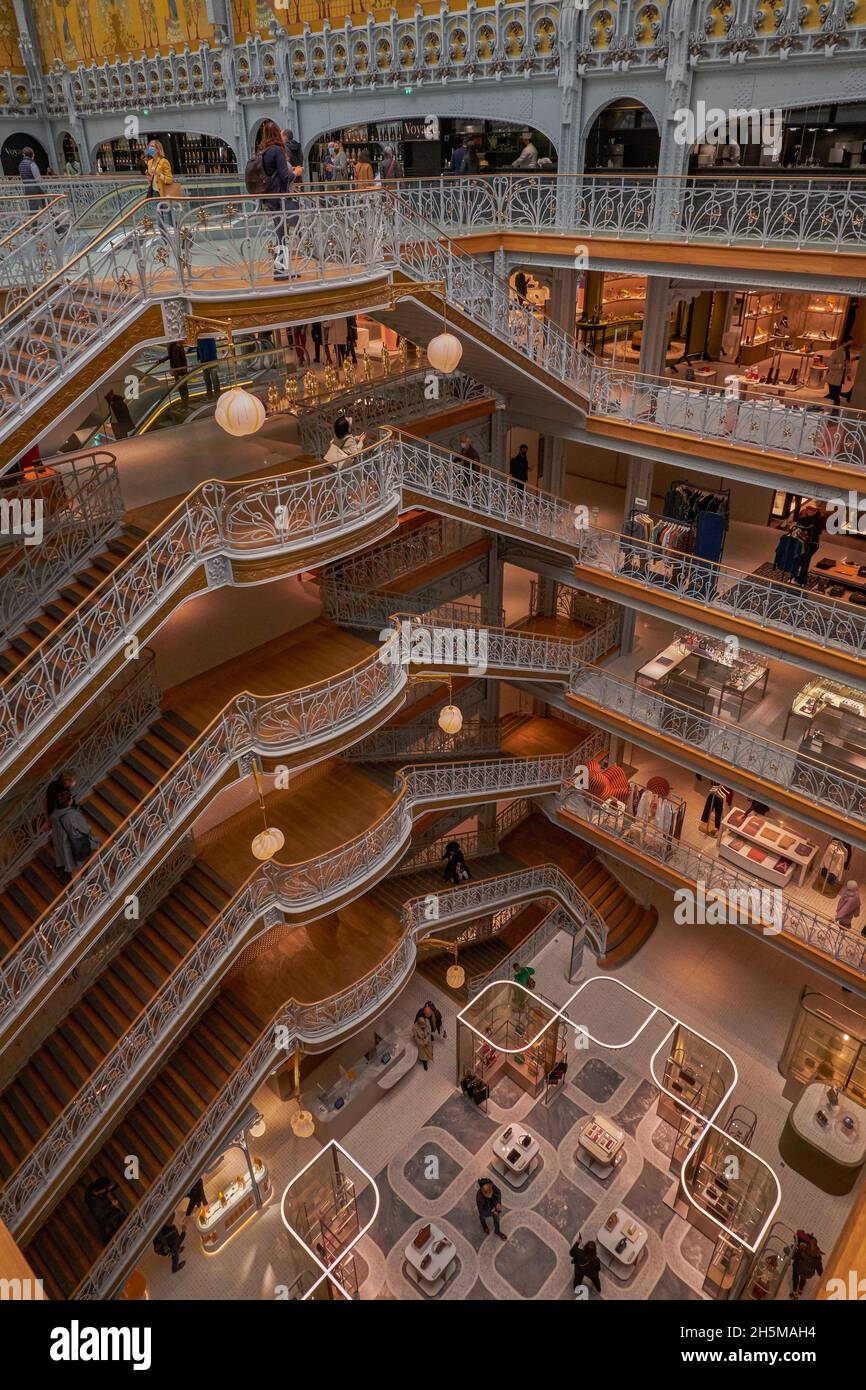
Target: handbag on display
[422, 1237]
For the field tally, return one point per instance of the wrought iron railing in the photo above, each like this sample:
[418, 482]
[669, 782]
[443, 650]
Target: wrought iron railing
[286, 513]
[399, 742]
[387, 400]
[402, 555]
[732, 744]
[31, 249]
[134, 703]
[799, 922]
[301, 891]
[275, 515]
[543, 934]
[300, 719]
[79, 505]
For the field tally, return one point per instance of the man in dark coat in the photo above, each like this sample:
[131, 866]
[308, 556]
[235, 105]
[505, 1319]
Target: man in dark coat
[488, 1200]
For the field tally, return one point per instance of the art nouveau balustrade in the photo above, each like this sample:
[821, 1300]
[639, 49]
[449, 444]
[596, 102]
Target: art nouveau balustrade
[117, 723]
[304, 719]
[825, 213]
[298, 721]
[77, 506]
[402, 555]
[387, 400]
[774, 766]
[33, 248]
[280, 514]
[679, 860]
[226, 245]
[301, 893]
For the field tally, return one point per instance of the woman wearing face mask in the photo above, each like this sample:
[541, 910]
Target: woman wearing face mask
[159, 174]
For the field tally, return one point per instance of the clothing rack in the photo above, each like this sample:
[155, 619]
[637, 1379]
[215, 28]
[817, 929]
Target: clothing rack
[666, 821]
[685, 501]
[658, 529]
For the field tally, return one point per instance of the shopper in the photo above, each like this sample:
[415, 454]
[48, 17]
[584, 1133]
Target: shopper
[72, 838]
[364, 175]
[468, 451]
[158, 171]
[64, 781]
[206, 352]
[488, 1200]
[71, 167]
[435, 1018]
[294, 153]
[316, 335]
[837, 370]
[586, 1264]
[195, 1198]
[523, 975]
[422, 1036]
[177, 360]
[122, 423]
[28, 172]
[806, 1262]
[339, 337]
[528, 157]
[458, 156]
[521, 285]
[472, 164]
[344, 445]
[339, 163]
[391, 167]
[848, 905]
[352, 337]
[104, 1206]
[284, 210]
[299, 340]
[169, 1241]
[456, 868]
[518, 467]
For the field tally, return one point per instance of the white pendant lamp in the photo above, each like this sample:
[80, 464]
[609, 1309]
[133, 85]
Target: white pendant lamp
[455, 975]
[444, 352]
[239, 412]
[450, 719]
[270, 838]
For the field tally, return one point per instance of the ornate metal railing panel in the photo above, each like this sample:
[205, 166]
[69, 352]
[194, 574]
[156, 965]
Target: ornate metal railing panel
[405, 553]
[78, 506]
[358, 608]
[390, 399]
[400, 742]
[742, 210]
[133, 705]
[770, 603]
[556, 921]
[781, 766]
[303, 890]
[823, 435]
[282, 723]
[798, 922]
[274, 515]
[33, 249]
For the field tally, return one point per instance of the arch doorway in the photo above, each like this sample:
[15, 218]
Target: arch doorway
[623, 137]
[12, 153]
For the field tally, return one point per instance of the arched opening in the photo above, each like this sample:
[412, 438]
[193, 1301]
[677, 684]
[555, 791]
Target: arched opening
[188, 153]
[70, 155]
[624, 137]
[424, 145]
[12, 152]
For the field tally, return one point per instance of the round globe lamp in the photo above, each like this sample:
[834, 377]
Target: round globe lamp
[444, 352]
[238, 412]
[450, 719]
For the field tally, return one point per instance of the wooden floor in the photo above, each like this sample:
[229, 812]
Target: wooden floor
[330, 804]
[553, 627]
[313, 652]
[428, 574]
[537, 736]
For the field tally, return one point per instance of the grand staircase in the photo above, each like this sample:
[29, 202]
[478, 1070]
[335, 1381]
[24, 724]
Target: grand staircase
[74, 592]
[68, 1244]
[37, 884]
[629, 924]
[70, 1055]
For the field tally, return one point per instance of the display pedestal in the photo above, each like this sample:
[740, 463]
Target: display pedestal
[829, 1154]
[515, 1156]
[217, 1222]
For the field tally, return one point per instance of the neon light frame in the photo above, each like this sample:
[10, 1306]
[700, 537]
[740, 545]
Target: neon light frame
[327, 1270]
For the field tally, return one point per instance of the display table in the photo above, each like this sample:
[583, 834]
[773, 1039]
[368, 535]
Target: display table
[434, 1263]
[830, 1154]
[515, 1155]
[383, 1066]
[661, 665]
[819, 695]
[219, 1220]
[600, 1145]
[841, 743]
[620, 1226]
[765, 848]
[846, 573]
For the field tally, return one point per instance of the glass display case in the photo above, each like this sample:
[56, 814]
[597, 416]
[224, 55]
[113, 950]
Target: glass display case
[695, 1077]
[506, 1032]
[827, 1043]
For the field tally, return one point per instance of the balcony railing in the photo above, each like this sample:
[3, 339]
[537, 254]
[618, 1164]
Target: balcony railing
[800, 923]
[116, 723]
[304, 892]
[740, 748]
[80, 504]
[298, 720]
[282, 514]
[387, 400]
